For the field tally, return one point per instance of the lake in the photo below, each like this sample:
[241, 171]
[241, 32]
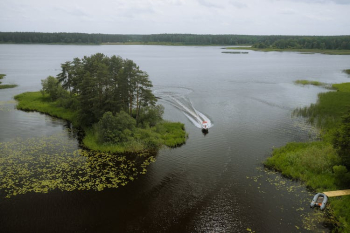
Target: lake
[216, 182]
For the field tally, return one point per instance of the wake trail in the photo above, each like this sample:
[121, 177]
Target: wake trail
[185, 105]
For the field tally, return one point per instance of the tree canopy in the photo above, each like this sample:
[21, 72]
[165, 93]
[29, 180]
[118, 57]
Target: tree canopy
[98, 84]
[276, 41]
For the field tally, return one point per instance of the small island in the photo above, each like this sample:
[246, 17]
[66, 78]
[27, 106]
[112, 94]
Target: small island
[4, 86]
[111, 100]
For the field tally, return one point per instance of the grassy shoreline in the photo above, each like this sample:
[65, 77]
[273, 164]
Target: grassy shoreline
[317, 163]
[171, 134]
[304, 51]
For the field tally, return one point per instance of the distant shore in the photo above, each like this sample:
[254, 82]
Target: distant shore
[305, 51]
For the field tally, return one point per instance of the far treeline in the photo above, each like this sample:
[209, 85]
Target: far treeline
[279, 42]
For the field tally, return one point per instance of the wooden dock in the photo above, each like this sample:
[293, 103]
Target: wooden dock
[337, 193]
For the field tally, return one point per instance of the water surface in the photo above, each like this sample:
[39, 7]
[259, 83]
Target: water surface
[213, 183]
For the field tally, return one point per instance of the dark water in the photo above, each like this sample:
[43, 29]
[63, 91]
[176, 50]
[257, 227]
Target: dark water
[215, 182]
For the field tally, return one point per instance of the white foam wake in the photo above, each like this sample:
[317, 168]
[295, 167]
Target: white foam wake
[185, 105]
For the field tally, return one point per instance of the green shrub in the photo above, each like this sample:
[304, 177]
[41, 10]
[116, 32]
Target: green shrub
[114, 129]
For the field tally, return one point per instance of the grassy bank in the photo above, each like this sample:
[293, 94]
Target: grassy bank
[305, 51]
[317, 163]
[164, 133]
[35, 101]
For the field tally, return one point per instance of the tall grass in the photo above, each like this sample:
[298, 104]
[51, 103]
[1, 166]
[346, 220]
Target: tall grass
[310, 162]
[329, 109]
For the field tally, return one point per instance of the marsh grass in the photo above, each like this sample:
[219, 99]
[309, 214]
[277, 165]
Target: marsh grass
[314, 83]
[347, 71]
[326, 113]
[315, 163]
[309, 162]
[5, 86]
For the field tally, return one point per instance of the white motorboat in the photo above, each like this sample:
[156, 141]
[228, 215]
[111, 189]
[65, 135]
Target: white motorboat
[205, 125]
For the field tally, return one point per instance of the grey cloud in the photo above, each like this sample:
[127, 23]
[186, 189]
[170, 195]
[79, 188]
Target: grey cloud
[237, 4]
[207, 3]
[75, 11]
[342, 2]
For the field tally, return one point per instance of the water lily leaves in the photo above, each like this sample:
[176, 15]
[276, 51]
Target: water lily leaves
[54, 162]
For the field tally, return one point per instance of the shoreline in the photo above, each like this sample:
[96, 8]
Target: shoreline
[172, 134]
[317, 163]
[303, 51]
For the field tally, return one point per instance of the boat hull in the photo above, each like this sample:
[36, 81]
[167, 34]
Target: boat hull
[320, 199]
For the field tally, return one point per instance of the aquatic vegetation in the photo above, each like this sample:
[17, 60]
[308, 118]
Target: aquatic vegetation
[347, 71]
[49, 163]
[7, 105]
[4, 86]
[317, 163]
[314, 83]
[329, 109]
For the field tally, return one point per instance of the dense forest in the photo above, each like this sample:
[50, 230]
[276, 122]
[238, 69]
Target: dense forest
[281, 42]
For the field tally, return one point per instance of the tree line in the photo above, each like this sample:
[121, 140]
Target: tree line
[275, 41]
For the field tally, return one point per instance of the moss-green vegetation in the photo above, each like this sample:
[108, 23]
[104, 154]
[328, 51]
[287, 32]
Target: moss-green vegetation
[304, 51]
[329, 109]
[5, 86]
[164, 133]
[35, 101]
[347, 71]
[44, 164]
[322, 165]
[310, 162]
[314, 83]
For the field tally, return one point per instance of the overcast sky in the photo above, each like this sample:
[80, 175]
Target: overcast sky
[250, 17]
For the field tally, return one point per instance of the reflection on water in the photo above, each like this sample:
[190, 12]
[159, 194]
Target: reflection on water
[210, 184]
[48, 163]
